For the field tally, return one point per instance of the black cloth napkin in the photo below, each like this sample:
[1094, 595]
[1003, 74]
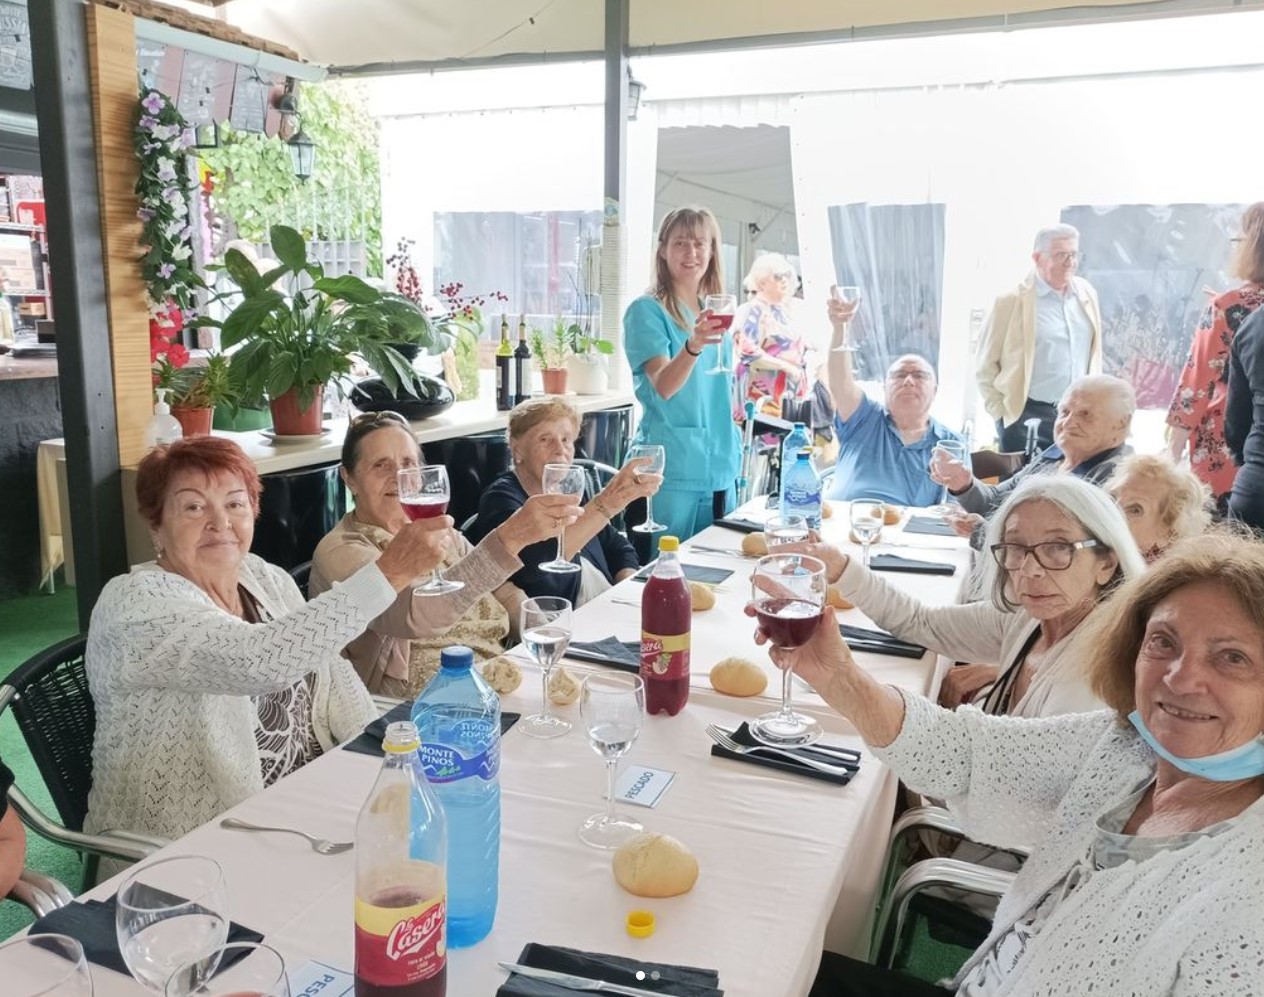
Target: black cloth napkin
[679, 981]
[930, 525]
[91, 922]
[777, 761]
[878, 642]
[894, 562]
[740, 525]
[693, 572]
[370, 742]
[625, 654]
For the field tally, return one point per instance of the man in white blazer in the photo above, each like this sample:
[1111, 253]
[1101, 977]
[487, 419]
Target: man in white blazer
[1040, 337]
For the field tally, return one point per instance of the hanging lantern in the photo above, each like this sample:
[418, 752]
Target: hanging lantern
[302, 154]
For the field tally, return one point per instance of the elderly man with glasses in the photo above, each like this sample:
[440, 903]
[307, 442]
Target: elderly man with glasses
[884, 450]
[1039, 338]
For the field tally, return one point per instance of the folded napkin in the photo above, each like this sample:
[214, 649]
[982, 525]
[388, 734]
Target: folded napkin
[693, 572]
[91, 922]
[930, 525]
[878, 642]
[625, 654]
[851, 761]
[894, 562]
[370, 742]
[679, 981]
[740, 525]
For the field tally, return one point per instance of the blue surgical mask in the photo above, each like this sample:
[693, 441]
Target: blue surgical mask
[1246, 761]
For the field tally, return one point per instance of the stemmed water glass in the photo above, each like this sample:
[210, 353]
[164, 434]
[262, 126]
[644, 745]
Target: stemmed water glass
[781, 529]
[562, 479]
[545, 625]
[613, 709]
[866, 522]
[259, 972]
[722, 307]
[424, 493]
[657, 465]
[44, 966]
[846, 295]
[788, 593]
[952, 450]
[170, 913]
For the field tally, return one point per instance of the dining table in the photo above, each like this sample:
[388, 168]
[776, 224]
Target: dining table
[788, 865]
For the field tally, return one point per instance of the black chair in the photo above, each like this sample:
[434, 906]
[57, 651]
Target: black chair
[1001, 466]
[53, 708]
[302, 573]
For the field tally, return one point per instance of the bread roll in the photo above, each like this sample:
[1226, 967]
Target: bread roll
[891, 515]
[655, 865]
[827, 510]
[754, 544]
[835, 598]
[502, 674]
[738, 677]
[563, 689]
[701, 596]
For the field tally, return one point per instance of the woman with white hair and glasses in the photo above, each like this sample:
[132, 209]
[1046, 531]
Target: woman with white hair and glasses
[772, 358]
[1057, 547]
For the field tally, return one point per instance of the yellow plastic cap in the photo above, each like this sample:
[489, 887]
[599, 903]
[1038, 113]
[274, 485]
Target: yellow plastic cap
[668, 544]
[640, 924]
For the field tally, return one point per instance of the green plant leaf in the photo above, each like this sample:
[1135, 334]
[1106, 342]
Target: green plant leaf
[349, 288]
[244, 273]
[250, 317]
[290, 247]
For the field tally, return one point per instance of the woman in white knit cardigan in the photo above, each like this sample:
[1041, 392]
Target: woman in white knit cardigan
[1148, 873]
[210, 675]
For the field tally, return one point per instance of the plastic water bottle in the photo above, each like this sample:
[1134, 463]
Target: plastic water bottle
[458, 718]
[797, 439]
[801, 491]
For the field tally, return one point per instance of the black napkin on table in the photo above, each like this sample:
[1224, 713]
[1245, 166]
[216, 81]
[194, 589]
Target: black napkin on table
[740, 525]
[894, 562]
[625, 654]
[678, 981]
[370, 742]
[777, 761]
[878, 642]
[91, 922]
[930, 525]
[693, 572]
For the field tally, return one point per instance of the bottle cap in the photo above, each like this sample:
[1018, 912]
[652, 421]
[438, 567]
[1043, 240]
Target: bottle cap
[640, 924]
[401, 738]
[804, 455]
[458, 656]
[162, 408]
[668, 545]
[801, 425]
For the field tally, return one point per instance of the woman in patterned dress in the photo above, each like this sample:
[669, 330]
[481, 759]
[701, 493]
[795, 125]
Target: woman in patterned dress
[772, 358]
[1196, 415]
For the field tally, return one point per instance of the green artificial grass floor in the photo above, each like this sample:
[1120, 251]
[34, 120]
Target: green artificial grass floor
[29, 624]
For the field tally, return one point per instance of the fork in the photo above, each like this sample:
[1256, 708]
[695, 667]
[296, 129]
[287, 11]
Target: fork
[320, 845]
[719, 551]
[724, 741]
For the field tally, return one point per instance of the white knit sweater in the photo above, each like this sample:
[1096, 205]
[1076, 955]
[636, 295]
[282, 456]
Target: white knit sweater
[1184, 922]
[171, 675]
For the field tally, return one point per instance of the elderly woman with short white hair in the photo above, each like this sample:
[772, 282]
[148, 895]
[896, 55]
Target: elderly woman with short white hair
[772, 357]
[1162, 501]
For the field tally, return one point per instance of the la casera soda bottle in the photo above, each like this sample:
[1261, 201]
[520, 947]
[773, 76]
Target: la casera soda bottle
[666, 618]
[400, 882]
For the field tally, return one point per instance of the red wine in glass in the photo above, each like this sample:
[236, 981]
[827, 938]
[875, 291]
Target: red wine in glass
[424, 506]
[725, 322]
[788, 622]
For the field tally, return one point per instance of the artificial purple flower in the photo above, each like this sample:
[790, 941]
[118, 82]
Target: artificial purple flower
[166, 170]
[166, 270]
[148, 122]
[153, 102]
[145, 214]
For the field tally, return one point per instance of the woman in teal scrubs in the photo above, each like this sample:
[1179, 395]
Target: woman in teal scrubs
[671, 342]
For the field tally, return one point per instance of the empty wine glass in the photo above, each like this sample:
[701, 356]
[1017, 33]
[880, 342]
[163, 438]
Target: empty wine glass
[657, 465]
[613, 709]
[169, 913]
[562, 479]
[424, 493]
[545, 625]
[44, 966]
[253, 970]
[722, 307]
[866, 522]
[847, 295]
[951, 450]
[780, 529]
[788, 593]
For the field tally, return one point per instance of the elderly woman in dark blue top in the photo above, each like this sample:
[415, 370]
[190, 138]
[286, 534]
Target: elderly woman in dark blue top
[542, 431]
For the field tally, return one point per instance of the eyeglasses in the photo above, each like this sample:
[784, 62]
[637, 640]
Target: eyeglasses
[381, 419]
[1066, 256]
[785, 276]
[1052, 555]
[896, 376]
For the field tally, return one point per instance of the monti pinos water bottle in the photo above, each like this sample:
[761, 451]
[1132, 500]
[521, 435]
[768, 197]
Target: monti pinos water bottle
[801, 491]
[458, 717]
[401, 848]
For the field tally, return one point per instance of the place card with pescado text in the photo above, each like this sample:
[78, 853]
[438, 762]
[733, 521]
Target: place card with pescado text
[642, 786]
[315, 979]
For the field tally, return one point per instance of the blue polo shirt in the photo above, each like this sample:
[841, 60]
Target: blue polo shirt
[874, 462]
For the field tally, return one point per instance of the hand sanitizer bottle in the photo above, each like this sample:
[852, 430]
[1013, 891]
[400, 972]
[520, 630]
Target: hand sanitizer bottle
[163, 427]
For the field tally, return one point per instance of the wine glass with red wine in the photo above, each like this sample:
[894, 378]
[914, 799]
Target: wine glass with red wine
[424, 493]
[722, 308]
[788, 592]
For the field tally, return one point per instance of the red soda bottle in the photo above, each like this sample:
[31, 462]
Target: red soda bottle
[666, 617]
[401, 847]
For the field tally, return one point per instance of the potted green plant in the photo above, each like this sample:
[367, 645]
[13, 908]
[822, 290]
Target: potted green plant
[296, 330]
[550, 352]
[588, 363]
[198, 391]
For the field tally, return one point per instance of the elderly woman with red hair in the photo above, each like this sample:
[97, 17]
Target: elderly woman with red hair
[212, 678]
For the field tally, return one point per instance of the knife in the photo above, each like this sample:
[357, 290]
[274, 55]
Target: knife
[579, 982]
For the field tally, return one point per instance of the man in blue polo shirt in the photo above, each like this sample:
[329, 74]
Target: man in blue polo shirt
[883, 450]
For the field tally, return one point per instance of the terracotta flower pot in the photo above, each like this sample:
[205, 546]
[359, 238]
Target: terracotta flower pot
[290, 419]
[554, 380]
[194, 420]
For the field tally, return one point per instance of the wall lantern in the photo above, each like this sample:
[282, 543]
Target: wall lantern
[635, 89]
[302, 154]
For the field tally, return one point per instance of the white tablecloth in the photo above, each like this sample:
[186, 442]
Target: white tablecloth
[786, 862]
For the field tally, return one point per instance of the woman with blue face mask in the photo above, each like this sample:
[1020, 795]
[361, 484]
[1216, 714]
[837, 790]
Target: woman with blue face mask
[1147, 876]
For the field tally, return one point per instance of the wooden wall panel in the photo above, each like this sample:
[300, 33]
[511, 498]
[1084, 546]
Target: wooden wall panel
[112, 50]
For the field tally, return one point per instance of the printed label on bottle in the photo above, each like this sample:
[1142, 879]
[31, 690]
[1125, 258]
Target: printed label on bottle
[664, 657]
[444, 763]
[398, 945]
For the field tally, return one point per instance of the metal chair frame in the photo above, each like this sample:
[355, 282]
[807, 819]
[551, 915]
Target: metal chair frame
[39, 893]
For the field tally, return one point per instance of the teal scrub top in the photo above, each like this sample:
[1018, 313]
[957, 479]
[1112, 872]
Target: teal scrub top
[695, 426]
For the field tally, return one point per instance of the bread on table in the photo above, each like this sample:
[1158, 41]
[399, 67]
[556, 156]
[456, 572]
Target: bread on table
[655, 865]
[738, 677]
